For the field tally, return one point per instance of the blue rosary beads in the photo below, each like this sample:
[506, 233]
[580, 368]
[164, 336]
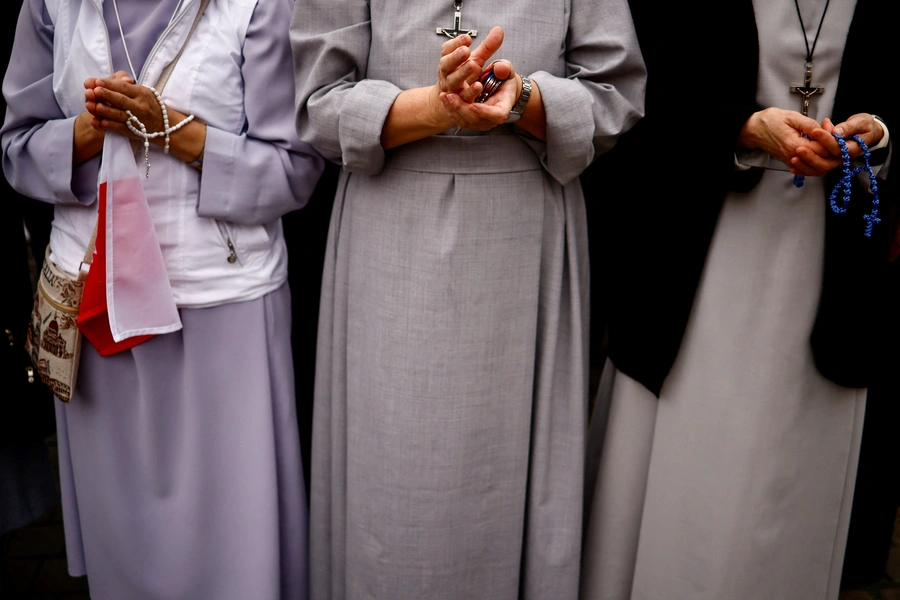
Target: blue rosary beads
[844, 184]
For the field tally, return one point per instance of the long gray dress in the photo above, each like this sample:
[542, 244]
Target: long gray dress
[451, 374]
[737, 482]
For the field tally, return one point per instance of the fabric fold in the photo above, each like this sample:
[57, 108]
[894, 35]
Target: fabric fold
[127, 298]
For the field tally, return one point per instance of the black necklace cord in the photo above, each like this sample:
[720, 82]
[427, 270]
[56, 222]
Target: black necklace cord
[809, 52]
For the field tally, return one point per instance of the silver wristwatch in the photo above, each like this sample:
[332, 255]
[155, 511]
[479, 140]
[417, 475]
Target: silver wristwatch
[516, 113]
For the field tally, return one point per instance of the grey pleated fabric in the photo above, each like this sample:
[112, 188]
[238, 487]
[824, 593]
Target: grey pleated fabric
[738, 481]
[180, 462]
[451, 375]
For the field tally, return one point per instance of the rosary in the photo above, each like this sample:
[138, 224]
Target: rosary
[844, 184]
[872, 218]
[142, 132]
[133, 123]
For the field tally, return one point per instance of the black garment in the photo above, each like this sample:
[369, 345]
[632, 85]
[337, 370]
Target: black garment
[26, 408]
[660, 191]
[306, 234]
[877, 494]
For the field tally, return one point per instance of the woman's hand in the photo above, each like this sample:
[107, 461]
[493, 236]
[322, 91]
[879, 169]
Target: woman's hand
[460, 66]
[863, 124]
[780, 134]
[107, 99]
[87, 141]
[493, 111]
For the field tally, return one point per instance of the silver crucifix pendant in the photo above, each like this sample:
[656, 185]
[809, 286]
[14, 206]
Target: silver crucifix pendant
[807, 89]
[456, 31]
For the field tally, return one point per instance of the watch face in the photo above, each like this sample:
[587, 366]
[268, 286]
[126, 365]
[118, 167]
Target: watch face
[513, 117]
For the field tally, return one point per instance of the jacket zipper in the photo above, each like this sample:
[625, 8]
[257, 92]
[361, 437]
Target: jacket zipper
[172, 24]
[226, 236]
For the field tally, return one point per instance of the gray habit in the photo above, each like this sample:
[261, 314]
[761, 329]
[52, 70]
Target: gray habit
[737, 482]
[450, 407]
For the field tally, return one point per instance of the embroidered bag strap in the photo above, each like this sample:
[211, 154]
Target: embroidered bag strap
[88, 254]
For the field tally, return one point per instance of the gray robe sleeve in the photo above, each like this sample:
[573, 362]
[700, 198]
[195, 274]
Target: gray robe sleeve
[602, 95]
[265, 172]
[339, 112]
[36, 136]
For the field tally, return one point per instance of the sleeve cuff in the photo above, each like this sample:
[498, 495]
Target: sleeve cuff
[362, 118]
[216, 178]
[70, 184]
[885, 139]
[570, 144]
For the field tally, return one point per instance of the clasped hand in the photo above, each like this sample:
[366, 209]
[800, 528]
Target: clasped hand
[803, 144]
[108, 99]
[458, 85]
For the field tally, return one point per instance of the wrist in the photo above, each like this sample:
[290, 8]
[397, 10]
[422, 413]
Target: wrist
[436, 116]
[747, 137]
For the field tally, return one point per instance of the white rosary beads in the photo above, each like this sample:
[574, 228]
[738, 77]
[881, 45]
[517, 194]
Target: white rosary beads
[141, 129]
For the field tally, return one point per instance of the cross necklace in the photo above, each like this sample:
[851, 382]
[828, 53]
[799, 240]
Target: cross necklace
[808, 88]
[452, 33]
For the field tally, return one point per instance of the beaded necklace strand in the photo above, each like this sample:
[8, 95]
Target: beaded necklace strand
[133, 123]
[872, 218]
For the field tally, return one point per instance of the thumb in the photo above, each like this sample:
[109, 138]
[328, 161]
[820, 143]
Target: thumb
[488, 47]
[802, 124]
[504, 69]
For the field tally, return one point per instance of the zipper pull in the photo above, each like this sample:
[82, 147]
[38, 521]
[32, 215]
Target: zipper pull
[29, 371]
[232, 256]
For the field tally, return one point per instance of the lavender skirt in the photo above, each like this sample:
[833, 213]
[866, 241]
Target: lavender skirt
[180, 462]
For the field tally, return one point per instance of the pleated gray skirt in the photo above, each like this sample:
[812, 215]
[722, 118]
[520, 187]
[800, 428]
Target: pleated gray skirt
[180, 462]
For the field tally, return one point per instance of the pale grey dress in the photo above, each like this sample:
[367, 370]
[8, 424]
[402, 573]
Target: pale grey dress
[451, 382]
[737, 483]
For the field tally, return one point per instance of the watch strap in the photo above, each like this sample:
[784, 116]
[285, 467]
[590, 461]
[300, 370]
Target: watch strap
[516, 113]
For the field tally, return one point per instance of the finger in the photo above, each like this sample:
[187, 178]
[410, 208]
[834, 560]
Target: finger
[799, 167]
[504, 69]
[506, 96]
[452, 112]
[855, 125]
[451, 61]
[114, 99]
[470, 93]
[462, 109]
[816, 147]
[827, 125]
[800, 123]
[112, 126]
[488, 46]
[479, 116]
[455, 68]
[111, 113]
[465, 75]
[816, 162]
[825, 140]
[452, 44]
[122, 76]
[495, 115]
[120, 86]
